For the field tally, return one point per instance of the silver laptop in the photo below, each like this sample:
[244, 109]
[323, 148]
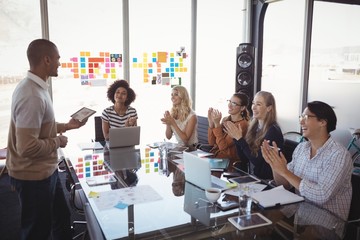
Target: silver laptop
[124, 137]
[124, 158]
[198, 172]
[195, 203]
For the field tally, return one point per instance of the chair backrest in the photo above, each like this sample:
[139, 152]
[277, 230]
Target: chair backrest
[202, 129]
[291, 140]
[93, 227]
[354, 214]
[99, 136]
[77, 199]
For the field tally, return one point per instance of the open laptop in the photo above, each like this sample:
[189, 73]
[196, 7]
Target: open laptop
[198, 172]
[124, 137]
[123, 158]
[195, 204]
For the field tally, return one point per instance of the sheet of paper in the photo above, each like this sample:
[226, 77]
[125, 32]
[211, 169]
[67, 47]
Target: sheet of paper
[254, 188]
[201, 153]
[90, 146]
[127, 196]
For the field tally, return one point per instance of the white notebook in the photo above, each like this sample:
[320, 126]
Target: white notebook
[276, 197]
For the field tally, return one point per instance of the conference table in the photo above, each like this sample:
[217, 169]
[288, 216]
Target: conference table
[141, 193]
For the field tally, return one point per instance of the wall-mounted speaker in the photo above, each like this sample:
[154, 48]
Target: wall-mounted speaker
[245, 61]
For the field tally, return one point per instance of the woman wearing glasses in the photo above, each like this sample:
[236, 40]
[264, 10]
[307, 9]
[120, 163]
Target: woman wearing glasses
[321, 168]
[262, 126]
[223, 144]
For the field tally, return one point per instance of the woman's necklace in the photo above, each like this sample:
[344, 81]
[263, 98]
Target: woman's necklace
[237, 120]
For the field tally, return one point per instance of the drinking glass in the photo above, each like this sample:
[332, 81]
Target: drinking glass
[163, 166]
[245, 199]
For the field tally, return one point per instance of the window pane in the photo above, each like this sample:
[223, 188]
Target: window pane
[335, 62]
[282, 59]
[19, 25]
[159, 57]
[86, 32]
[219, 33]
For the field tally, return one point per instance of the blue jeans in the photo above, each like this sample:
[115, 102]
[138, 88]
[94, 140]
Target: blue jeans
[44, 210]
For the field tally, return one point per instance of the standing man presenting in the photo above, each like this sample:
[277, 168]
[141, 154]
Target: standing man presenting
[32, 148]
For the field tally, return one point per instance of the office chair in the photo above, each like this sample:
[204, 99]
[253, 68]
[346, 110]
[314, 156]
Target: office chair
[202, 130]
[99, 136]
[93, 227]
[3, 152]
[77, 196]
[291, 140]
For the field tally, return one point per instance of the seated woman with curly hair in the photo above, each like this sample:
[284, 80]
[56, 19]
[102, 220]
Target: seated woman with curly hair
[121, 114]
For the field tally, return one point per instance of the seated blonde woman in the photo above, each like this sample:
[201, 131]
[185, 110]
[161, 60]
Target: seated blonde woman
[181, 120]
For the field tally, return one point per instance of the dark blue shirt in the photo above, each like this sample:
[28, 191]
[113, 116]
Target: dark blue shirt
[260, 168]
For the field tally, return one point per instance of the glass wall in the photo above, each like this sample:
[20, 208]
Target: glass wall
[88, 34]
[19, 25]
[160, 34]
[219, 33]
[89, 37]
[335, 63]
[282, 59]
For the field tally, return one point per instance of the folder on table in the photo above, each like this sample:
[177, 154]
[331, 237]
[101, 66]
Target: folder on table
[276, 197]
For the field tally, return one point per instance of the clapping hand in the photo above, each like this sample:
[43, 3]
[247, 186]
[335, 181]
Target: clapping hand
[233, 130]
[274, 157]
[216, 116]
[131, 121]
[167, 119]
[210, 117]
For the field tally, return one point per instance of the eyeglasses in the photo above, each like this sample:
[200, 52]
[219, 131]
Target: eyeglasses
[234, 104]
[305, 117]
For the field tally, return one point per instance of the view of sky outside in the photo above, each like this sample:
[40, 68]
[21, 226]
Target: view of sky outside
[335, 60]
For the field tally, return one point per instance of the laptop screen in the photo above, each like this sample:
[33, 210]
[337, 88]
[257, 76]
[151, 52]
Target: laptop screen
[197, 170]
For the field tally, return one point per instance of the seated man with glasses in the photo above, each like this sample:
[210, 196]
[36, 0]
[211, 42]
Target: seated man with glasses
[321, 168]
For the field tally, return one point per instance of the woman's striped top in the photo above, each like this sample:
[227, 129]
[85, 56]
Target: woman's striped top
[115, 121]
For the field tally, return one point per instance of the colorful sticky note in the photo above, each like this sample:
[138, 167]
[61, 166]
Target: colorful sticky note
[93, 194]
[121, 205]
[162, 56]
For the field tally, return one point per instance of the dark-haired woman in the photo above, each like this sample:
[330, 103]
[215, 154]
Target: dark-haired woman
[121, 114]
[223, 144]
